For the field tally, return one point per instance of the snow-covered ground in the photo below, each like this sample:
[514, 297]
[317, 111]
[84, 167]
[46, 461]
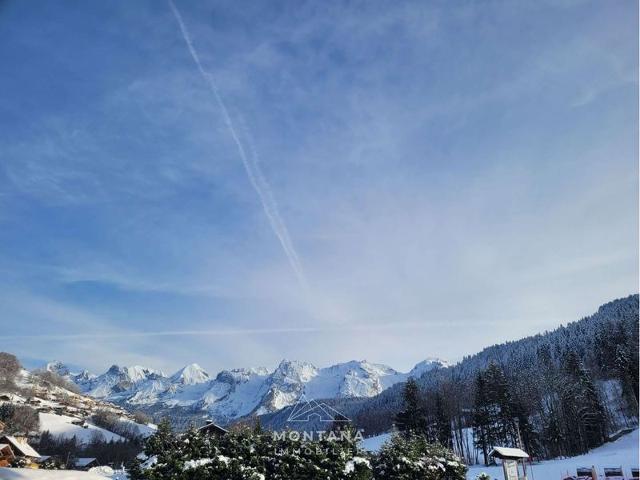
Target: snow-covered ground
[145, 430]
[59, 408]
[62, 425]
[29, 474]
[373, 444]
[621, 453]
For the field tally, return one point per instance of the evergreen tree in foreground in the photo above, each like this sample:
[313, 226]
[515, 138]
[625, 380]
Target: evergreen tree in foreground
[412, 420]
[482, 424]
[442, 423]
[586, 408]
[246, 454]
[411, 457]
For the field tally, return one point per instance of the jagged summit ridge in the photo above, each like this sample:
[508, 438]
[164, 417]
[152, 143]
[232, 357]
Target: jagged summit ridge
[238, 392]
[190, 375]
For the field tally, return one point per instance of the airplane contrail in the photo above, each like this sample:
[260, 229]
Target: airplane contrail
[249, 331]
[250, 162]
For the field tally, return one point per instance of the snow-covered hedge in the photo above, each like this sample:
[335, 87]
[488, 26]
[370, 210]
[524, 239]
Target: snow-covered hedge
[483, 476]
[415, 458]
[257, 455]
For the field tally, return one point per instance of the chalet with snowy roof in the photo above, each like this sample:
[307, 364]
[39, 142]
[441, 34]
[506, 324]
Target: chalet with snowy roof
[6, 454]
[16, 447]
[213, 429]
[85, 463]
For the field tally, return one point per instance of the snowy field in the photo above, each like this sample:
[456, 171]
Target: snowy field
[29, 474]
[373, 444]
[621, 453]
[62, 425]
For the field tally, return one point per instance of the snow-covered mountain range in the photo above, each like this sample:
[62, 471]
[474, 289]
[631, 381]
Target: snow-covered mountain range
[232, 394]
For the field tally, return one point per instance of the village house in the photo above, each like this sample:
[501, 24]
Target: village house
[213, 429]
[85, 463]
[6, 454]
[16, 447]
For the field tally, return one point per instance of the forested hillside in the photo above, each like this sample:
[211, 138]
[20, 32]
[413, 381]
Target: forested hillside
[561, 392]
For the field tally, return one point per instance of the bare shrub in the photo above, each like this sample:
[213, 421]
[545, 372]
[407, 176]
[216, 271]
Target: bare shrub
[53, 378]
[20, 419]
[112, 422]
[141, 417]
[9, 368]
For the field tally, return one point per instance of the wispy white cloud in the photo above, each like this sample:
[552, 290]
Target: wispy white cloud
[250, 162]
[347, 329]
[430, 163]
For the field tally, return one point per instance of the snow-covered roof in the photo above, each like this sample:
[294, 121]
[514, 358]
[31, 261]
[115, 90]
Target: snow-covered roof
[84, 461]
[212, 428]
[507, 452]
[21, 446]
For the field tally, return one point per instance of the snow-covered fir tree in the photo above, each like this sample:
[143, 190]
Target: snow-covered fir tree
[256, 454]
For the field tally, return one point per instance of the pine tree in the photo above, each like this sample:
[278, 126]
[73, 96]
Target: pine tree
[592, 413]
[584, 413]
[552, 434]
[627, 371]
[501, 406]
[412, 420]
[528, 438]
[164, 439]
[443, 422]
[340, 423]
[482, 432]
[257, 426]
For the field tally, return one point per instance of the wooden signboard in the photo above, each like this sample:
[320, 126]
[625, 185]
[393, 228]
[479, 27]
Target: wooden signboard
[510, 469]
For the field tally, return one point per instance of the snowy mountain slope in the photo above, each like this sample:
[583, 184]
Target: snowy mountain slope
[235, 393]
[63, 426]
[63, 412]
[190, 375]
[426, 366]
[59, 368]
[119, 380]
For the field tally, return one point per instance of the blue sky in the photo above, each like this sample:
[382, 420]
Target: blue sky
[423, 178]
